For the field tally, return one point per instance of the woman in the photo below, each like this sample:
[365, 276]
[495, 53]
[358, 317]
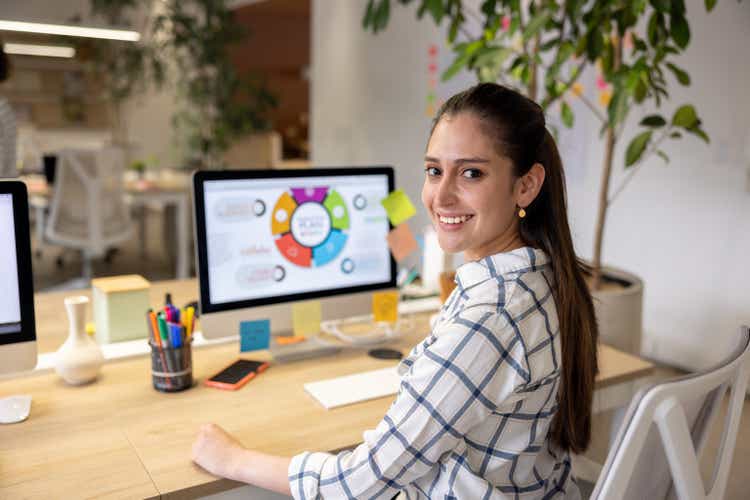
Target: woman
[494, 399]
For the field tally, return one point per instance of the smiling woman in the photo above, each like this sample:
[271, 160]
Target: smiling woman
[492, 401]
[470, 190]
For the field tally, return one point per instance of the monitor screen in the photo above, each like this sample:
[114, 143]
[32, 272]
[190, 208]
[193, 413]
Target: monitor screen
[288, 235]
[10, 305]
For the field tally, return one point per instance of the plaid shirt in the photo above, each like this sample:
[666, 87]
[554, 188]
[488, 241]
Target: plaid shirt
[475, 403]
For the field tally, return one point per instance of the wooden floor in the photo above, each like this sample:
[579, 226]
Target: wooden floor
[156, 264]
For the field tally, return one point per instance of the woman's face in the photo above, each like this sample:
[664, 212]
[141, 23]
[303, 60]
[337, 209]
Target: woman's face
[469, 190]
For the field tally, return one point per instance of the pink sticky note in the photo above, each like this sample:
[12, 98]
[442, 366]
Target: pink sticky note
[601, 83]
[506, 23]
[402, 242]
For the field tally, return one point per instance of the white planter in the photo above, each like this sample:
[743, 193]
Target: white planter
[620, 312]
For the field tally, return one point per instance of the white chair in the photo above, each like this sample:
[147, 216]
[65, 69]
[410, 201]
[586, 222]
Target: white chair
[87, 210]
[656, 452]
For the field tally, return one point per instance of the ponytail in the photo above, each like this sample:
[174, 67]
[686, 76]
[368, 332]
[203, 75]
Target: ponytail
[547, 228]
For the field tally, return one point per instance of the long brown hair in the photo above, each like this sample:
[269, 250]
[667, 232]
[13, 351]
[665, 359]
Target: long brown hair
[517, 126]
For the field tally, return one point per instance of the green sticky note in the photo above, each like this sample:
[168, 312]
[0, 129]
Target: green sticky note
[398, 206]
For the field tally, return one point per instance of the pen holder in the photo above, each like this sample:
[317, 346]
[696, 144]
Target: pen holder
[172, 367]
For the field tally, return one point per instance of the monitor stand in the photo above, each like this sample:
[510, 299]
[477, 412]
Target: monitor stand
[310, 348]
[14, 409]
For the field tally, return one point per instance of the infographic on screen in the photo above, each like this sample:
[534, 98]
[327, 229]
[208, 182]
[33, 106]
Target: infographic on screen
[273, 237]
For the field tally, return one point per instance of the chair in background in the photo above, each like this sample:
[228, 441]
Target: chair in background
[656, 452]
[87, 210]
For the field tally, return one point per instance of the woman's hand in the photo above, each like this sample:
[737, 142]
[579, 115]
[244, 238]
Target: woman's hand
[217, 451]
[222, 455]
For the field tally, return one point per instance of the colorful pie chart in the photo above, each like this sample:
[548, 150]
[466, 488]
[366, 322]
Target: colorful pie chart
[310, 225]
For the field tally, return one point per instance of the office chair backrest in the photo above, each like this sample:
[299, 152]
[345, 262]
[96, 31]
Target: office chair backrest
[87, 209]
[664, 431]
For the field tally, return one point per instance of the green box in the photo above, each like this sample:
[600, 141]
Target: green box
[120, 306]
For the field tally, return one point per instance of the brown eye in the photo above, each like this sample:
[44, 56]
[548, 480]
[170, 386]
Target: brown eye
[472, 173]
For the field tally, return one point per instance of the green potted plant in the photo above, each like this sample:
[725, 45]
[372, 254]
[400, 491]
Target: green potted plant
[543, 47]
[185, 45]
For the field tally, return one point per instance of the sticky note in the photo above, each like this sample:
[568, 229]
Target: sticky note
[385, 306]
[401, 242]
[255, 335]
[398, 206]
[306, 317]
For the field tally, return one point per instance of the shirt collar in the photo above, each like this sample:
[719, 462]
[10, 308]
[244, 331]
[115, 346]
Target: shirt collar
[490, 267]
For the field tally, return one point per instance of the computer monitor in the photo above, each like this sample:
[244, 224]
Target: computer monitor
[268, 238]
[17, 330]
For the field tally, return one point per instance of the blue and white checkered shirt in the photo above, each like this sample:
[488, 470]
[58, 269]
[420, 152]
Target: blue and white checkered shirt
[476, 400]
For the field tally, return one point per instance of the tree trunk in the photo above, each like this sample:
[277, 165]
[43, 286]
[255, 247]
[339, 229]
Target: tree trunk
[602, 212]
[596, 281]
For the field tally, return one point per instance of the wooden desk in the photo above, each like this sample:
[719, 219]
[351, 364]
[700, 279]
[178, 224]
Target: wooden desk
[119, 438]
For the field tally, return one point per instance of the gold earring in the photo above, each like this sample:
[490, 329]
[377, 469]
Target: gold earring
[522, 213]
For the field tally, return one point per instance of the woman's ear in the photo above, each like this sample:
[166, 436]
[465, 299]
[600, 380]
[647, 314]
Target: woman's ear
[529, 185]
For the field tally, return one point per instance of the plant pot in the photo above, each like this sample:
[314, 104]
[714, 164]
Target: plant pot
[619, 311]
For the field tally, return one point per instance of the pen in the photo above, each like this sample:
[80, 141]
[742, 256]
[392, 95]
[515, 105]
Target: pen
[176, 334]
[189, 314]
[153, 327]
[163, 329]
[155, 332]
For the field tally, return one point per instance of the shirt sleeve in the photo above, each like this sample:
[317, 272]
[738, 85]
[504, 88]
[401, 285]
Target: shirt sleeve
[475, 364]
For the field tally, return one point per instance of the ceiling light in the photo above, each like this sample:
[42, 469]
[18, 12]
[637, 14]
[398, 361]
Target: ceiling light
[24, 49]
[62, 29]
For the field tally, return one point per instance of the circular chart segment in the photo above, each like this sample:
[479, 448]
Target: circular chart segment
[310, 225]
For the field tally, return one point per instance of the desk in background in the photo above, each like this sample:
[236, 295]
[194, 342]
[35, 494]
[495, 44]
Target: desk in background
[170, 190]
[119, 438]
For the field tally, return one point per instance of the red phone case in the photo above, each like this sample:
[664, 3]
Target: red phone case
[240, 383]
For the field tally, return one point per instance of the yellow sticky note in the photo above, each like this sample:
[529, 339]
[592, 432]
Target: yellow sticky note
[398, 206]
[306, 317]
[402, 242]
[385, 306]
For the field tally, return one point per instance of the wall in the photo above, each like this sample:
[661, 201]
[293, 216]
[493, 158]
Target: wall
[684, 228]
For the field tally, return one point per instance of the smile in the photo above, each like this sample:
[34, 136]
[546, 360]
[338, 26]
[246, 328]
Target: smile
[454, 220]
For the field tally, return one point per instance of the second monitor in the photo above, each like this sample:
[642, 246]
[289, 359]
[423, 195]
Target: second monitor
[267, 238]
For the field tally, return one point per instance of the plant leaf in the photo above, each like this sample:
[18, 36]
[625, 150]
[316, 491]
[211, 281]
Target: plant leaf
[710, 4]
[636, 147]
[536, 24]
[367, 19]
[679, 73]
[435, 8]
[617, 109]
[661, 5]
[680, 30]
[700, 133]
[685, 117]
[675, 135]
[663, 155]
[567, 115]
[653, 121]
[458, 64]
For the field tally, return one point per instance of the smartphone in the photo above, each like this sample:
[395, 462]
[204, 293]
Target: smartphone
[237, 374]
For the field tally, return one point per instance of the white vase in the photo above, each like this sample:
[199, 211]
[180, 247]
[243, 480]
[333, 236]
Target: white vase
[79, 359]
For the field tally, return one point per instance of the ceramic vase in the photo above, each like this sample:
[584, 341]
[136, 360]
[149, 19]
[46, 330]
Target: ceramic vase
[79, 359]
